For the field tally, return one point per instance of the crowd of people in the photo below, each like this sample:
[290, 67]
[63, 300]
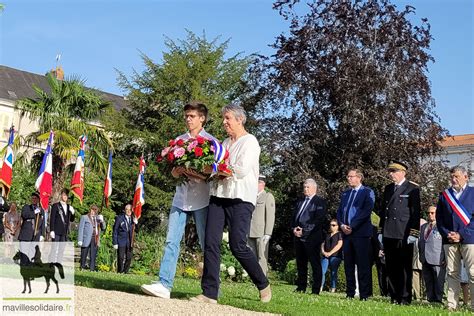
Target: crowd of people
[440, 249]
[444, 244]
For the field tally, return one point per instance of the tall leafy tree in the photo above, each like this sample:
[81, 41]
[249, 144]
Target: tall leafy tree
[191, 69]
[70, 110]
[347, 86]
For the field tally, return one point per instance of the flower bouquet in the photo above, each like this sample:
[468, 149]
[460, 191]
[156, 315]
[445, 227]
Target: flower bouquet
[201, 157]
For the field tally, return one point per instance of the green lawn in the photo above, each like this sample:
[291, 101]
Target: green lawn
[245, 295]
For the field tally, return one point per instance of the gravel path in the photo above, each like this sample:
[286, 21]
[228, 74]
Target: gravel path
[89, 301]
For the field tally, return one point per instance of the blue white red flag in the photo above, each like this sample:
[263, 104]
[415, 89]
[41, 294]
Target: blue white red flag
[139, 196]
[77, 180]
[108, 182]
[7, 168]
[44, 183]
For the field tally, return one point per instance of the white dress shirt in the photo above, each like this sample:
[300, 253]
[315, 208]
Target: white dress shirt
[244, 157]
[194, 194]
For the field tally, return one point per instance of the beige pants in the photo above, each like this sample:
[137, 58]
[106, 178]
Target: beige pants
[416, 284]
[454, 252]
[260, 249]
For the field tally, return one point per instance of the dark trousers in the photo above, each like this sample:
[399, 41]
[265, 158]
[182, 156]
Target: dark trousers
[434, 276]
[358, 251]
[237, 215]
[399, 261]
[308, 250]
[382, 277]
[124, 258]
[91, 250]
[60, 238]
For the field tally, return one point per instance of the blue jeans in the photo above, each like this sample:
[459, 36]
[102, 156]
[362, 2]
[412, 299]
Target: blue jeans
[333, 263]
[176, 224]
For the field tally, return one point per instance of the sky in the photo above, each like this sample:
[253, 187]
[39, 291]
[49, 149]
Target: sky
[97, 37]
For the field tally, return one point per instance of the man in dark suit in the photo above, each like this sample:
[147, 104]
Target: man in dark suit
[32, 216]
[432, 258]
[308, 221]
[455, 221]
[400, 224]
[32, 228]
[61, 214]
[122, 239]
[353, 216]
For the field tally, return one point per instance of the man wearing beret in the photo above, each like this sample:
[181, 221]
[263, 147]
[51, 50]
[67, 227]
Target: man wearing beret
[399, 224]
[261, 227]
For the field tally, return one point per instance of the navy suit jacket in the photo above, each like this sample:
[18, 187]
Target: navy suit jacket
[447, 220]
[122, 233]
[363, 205]
[312, 220]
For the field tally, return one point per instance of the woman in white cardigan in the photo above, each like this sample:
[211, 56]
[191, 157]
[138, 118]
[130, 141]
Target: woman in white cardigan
[232, 202]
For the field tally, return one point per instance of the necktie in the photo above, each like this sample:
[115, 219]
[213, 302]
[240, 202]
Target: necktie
[303, 206]
[350, 210]
[348, 206]
[396, 188]
[428, 231]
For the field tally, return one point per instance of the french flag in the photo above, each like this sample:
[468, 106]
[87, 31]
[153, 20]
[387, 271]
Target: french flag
[108, 182]
[7, 168]
[44, 183]
[77, 181]
[139, 196]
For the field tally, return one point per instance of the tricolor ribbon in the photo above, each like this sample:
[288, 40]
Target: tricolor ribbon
[219, 154]
[457, 207]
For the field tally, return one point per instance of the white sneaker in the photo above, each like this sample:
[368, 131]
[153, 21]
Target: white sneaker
[156, 289]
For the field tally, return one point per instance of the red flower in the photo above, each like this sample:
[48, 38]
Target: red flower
[222, 167]
[159, 158]
[200, 140]
[170, 156]
[172, 143]
[180, 142]
[198, 151]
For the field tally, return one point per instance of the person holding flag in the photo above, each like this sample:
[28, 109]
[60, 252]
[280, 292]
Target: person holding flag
[455, 222]
[77, 180]
[190, 199]
[7, 168]
[32, 226]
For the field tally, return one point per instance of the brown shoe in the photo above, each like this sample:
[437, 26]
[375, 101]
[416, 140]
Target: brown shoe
[266, 294]
[203, 299]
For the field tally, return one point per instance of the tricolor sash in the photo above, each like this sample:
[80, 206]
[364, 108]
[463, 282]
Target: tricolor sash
[457, 207]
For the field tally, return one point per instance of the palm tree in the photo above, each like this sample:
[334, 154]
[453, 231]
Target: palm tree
[70, 110]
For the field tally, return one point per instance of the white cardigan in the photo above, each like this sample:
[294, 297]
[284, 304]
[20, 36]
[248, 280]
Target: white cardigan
[244, 157]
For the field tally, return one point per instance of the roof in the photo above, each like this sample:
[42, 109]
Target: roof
[458, 140]
[17, 84]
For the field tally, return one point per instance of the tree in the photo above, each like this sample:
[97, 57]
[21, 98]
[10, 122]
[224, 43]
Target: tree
[346, 87]
[191, 69]
[70, 110]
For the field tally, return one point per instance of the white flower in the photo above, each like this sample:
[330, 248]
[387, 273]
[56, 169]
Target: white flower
[223, 267]
[245, 274]
[225, 237]
[201, 265]
[231, 270]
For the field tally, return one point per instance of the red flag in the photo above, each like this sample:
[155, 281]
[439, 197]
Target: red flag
[139, 196]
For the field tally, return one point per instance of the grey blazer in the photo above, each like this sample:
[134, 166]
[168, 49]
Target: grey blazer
[431, 249]
[86, 230]
[263, 217]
